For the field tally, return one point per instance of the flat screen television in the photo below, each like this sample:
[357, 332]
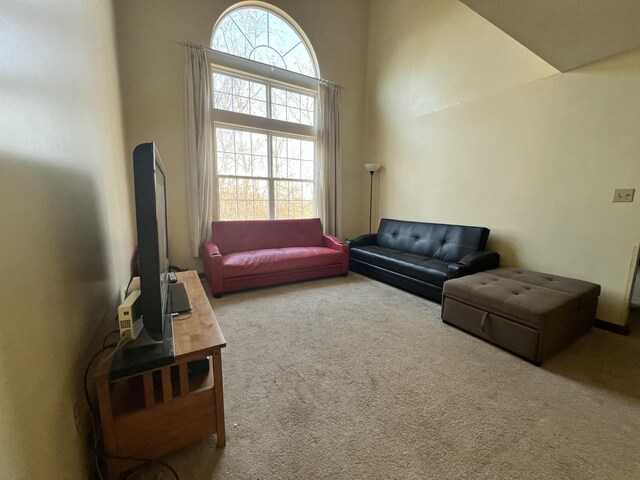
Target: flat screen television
[150, 184]
[154, 344]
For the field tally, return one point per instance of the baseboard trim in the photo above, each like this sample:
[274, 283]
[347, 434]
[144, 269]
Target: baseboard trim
[612, 327]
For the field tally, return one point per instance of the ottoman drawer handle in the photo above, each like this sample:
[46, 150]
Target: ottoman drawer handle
[484, 319]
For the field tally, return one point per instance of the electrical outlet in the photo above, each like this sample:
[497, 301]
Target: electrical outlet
[623, 194]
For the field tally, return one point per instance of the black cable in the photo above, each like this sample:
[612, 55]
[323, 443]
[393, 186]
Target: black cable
[96, 447]
[146, 463]
[104, 341]
[134, 471]
[95, 421]
[86, 374]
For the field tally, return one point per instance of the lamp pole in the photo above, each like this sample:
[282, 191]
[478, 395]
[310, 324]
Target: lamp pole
[370, 200]
[371, 168]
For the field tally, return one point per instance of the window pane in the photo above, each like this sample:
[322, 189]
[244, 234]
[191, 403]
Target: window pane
[258, 108]
[224, 139]
[226, 164]
[293, 148]
[223, 101]
[259, 166]
[278, 96]
[242, 141]
[264, 36]
[243, 165]
[279, 112]
[239, 95]
[265, 54]
[227, 189]
[307, 170]
[293, 158]
[293, 169]
[292, 107]
[230, 38]
[299, 60]
[293, 199]
[281, 36]
[307, 192]
[279, 167]
[307, 150]
[279, 147]
[243, 199]
[293, 100]
[253, 23]
[243, 153]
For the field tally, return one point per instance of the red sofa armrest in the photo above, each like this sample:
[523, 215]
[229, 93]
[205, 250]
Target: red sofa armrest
[213, 267]
[332, 242]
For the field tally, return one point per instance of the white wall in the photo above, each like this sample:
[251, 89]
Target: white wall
[65, 212]
[474, 129]
[152, 74]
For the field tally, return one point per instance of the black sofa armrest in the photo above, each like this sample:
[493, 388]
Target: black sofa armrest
[362, 240]
[474, 262]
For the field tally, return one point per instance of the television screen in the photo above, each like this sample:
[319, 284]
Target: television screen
[163, 252]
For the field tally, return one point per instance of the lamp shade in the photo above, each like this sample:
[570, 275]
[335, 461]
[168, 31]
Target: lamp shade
[372, 167]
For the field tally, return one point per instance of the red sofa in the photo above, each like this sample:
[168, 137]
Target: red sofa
[257, 253]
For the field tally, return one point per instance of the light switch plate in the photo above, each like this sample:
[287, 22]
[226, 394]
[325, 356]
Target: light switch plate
[623, 194]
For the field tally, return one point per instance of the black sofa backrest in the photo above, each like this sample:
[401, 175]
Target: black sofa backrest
[449, 243]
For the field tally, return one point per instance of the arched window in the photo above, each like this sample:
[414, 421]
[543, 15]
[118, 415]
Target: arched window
[264, 117]
[263, 36]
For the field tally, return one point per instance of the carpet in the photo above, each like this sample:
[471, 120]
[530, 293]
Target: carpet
[349, 378]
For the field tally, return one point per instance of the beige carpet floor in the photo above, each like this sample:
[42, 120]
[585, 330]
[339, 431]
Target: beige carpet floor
[348, 378]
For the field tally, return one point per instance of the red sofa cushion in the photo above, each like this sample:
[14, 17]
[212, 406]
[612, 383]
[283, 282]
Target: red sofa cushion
[248, 235]
[257, 262]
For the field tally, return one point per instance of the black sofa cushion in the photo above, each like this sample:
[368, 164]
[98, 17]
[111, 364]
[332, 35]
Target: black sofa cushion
[428, 270]
[449, 243]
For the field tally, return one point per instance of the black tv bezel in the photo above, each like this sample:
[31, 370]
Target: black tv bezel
[142, 354]
[146, 166]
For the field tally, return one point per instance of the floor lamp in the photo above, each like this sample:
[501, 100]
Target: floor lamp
[371, 168]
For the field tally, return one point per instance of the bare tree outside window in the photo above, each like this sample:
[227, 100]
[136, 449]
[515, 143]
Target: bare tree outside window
[247, 191]
[263, 36]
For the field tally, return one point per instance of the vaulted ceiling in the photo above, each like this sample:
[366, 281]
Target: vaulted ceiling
[566, 33]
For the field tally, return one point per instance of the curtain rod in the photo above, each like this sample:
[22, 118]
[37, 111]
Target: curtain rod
[320, 80]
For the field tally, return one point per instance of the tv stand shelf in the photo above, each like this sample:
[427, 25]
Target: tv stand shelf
[155, 412]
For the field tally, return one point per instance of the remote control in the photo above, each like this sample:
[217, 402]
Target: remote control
[172, 277]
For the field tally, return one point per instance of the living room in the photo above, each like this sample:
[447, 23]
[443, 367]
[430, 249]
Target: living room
[470, 128]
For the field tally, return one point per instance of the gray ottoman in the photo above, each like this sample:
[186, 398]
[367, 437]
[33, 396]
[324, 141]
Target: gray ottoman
[531, 314]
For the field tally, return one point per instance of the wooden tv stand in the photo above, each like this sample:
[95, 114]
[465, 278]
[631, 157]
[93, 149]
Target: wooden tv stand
[155, 412]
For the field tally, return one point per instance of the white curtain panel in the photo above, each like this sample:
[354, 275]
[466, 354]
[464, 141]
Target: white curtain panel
[328, 150]
[201, 185]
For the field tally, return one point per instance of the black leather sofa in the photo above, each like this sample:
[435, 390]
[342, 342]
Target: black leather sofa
[420, 257]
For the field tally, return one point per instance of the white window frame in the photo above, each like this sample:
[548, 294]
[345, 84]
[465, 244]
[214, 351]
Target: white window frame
[271, 179]
[248, 69]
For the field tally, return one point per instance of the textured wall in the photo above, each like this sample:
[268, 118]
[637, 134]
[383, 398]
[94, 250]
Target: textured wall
[66, 223]
[474, 129]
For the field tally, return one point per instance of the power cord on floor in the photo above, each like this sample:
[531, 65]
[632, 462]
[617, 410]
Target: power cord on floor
[146, 463]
